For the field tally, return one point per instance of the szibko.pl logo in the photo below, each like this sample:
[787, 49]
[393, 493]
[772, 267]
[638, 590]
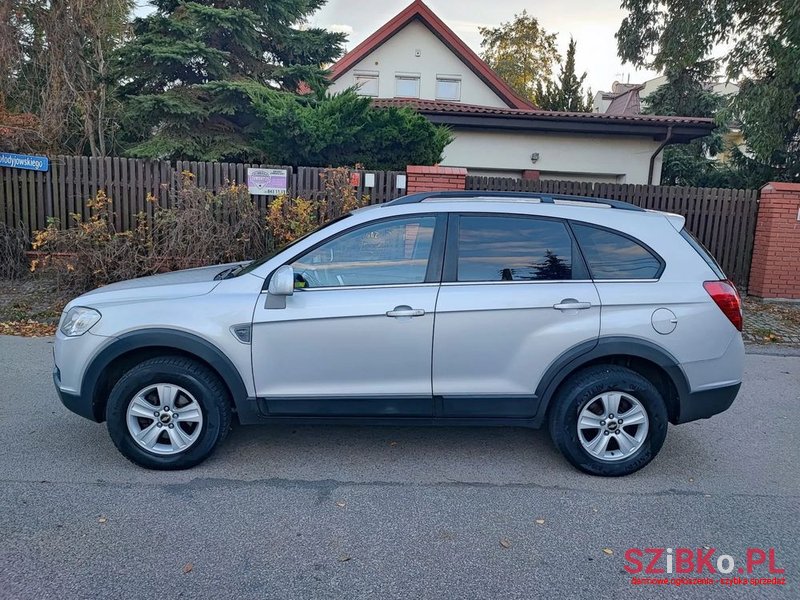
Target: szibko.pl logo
[702, 566]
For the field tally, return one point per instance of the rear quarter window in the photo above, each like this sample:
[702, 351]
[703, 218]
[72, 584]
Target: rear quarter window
[611, 255]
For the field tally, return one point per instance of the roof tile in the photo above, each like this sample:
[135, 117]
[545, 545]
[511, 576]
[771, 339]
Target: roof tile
[442, 107]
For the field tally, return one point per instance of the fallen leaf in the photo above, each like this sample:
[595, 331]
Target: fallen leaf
[341, 503]
[102, 520]
[29, 328]
[540, 521]
[608, 551]
[344, 558]
[187, 568]
[505, 542]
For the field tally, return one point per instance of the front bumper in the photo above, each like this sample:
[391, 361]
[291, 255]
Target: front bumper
[74, 402]
[706, 403]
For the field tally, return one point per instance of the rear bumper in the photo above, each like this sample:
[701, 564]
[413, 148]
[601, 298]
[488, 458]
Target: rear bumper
[707, 403]
[74, 402]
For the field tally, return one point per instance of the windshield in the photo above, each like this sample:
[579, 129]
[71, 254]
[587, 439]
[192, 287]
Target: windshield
[260, 261]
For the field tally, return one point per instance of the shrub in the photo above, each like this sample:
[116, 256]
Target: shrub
[199, 228]
[203, 228]
[289, 219]
[92, 253]
[14, 243]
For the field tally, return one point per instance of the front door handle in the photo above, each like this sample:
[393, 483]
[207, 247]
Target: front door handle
[572, 304]
[405, 311]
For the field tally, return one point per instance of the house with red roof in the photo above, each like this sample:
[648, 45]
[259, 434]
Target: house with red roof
[416, 60]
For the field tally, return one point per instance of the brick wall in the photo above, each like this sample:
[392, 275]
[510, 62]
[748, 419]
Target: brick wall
[432, 179]
[775, 270]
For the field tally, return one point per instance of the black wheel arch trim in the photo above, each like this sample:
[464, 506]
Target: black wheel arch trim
[166, 338]
[584, 353]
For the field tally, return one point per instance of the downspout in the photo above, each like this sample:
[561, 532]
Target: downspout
[656, 153]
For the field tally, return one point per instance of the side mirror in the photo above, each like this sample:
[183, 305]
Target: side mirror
[282, 282]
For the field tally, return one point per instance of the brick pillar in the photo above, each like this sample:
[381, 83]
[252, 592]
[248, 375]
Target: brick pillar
[530, 174]
[775, 269]
[433, 179]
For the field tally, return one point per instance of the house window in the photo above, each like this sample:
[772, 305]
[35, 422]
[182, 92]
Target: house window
[448, 88]
[366, 84]
[406, 86]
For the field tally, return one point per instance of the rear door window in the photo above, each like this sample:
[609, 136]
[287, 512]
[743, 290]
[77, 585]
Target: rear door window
[502, 248]
[611, 255]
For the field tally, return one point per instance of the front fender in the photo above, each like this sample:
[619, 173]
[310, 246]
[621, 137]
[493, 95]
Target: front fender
[95, 379]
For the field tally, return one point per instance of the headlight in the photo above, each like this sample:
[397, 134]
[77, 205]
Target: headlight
[79, 320]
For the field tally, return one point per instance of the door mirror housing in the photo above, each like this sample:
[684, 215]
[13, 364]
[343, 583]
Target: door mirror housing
[282, 281]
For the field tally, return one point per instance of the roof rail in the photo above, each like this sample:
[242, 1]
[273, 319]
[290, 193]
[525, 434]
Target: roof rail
[544, 198]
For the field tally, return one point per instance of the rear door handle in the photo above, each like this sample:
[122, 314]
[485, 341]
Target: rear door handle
[572, 304]
[405, 311]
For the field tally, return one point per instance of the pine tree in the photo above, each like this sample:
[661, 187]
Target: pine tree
[553, 268]
[192, 70]
[567, 93]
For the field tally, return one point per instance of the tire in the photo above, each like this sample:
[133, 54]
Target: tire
[620, 449]
[197, 404]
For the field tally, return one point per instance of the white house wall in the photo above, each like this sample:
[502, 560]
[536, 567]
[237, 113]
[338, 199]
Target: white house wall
[561, 156]
[398, 56]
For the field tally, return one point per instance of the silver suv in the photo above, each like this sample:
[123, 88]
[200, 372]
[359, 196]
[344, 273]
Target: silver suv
[596, 318]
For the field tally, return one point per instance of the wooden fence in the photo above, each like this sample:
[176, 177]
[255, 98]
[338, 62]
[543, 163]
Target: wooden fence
[723, 220]
[29, 198]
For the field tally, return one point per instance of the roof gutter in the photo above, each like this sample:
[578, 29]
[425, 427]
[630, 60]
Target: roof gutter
[656, 153]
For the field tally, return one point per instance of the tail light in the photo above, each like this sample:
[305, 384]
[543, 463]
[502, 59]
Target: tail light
[727, 298]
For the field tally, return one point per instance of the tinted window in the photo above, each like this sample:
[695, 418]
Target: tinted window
[513, 249]
[385, 253]
[613, 256]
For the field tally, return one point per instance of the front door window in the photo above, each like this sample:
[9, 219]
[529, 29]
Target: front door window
[392, 252]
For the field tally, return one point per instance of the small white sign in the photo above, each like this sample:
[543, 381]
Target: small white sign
[369, 180]
[401, 182]
[266, 182]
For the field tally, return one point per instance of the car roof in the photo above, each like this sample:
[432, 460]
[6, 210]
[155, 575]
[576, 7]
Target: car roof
[540, 197]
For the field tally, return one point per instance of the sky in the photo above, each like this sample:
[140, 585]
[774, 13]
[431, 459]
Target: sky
[592, 23]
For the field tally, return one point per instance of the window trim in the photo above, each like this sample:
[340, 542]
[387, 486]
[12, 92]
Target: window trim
[433, 273]
[407, 77]
[449, 79]
[367, 75]
[580, 271]
[662, 263]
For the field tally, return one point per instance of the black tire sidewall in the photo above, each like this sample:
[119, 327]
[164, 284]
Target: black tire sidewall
[587, 385]
[197, 383]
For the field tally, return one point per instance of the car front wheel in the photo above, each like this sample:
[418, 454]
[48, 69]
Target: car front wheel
[608, 420]
[168, 413]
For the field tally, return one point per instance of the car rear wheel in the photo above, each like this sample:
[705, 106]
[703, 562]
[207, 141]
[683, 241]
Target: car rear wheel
[168, 413]
[608, 420]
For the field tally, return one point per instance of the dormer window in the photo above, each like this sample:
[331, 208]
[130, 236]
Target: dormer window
[406, 86]
[366, 84]
[448, 87]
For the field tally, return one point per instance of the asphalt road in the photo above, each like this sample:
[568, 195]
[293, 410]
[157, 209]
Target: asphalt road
[368, 512]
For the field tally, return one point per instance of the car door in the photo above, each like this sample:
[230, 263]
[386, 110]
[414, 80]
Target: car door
[355, 338]
[515, 295]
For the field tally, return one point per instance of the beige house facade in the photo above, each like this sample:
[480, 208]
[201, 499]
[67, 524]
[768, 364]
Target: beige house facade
[416, 60]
